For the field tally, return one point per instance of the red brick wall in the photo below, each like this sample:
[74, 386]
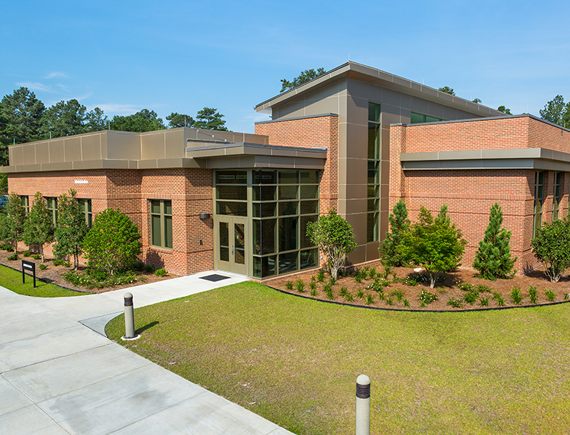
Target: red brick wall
[469, 194]
[190, 191]
[314, 132]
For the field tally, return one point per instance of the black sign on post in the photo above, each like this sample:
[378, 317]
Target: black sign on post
[31, 266]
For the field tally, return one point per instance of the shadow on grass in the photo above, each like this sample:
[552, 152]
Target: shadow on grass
[147, 326]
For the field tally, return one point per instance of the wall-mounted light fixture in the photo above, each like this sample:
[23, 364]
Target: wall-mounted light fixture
[204, 215]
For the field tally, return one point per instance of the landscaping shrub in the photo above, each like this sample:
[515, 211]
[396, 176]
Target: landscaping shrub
[549, 295]
[334, 237]
[138, 266]
[399, 294]
[58, 262]
[482, 288]
[36, 256]
[8, 248]
[14, 229]
[434, 244]
[369, 299]
[320, 275]
[43, 266]
[466, 287]
[484, 301]
[343, 290]
[399, 224]
[471, 297]
[516, 295]
[360, 293]
[455, 303]
[499, 299]
[160, 272]
[71, 228]
[289, 285]
[389, 301]
[348, 297]
[300, 285]
[150, 268]
[99, 279]
[113, 242]
[27, 253]
[13, 257]
[427, 297]
[328, 291]
[551, 246]
[313, 288]
[493, 258]
[38, 228]
[533, 294]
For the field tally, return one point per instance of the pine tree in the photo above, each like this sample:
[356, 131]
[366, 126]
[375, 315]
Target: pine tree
[38, 229]
[434, 244]
[71, 228]
[493, 258]
[16, 220]
[399, 223]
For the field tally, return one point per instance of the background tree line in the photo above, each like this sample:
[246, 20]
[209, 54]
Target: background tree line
[25, 118]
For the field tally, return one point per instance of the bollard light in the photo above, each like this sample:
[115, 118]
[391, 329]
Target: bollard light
[129, 318]
[363, 405]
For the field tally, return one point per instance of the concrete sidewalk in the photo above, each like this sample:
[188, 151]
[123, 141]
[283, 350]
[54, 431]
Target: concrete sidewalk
[60, 375]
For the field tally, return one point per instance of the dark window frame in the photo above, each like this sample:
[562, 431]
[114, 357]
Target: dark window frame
[163, 216]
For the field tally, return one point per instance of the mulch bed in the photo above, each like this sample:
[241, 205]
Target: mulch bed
[445, 290]
[54, 274]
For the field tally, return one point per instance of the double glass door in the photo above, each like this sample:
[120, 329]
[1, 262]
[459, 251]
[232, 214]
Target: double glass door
[231, 232]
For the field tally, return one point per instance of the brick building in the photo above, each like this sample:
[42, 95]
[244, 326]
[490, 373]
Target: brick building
[357, 139]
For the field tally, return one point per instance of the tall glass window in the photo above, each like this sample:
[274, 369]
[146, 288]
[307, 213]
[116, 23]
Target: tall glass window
[374, 153]
[283, 202]
[231, 193]
[86, 207]
[52, 208]
[25, 203]
[538, 201]
[557, 194]
[161, 223]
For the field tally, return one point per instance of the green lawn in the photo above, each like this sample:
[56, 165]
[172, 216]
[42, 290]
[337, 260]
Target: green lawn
[295, 362]
[12, 280]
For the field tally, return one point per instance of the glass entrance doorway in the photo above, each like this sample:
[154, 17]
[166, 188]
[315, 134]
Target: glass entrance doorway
[231, 232]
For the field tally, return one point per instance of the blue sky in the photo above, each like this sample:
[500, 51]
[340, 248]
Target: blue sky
[176, 56]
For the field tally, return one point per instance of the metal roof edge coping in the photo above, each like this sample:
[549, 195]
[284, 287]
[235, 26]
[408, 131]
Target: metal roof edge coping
[494, 154]
[488, 118]
[297, 118]
[256, 145]
[381, 75]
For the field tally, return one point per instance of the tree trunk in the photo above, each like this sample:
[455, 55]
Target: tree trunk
[432, 279]
[42, 253]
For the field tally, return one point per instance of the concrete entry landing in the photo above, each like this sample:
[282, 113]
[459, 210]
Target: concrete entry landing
[59, 376]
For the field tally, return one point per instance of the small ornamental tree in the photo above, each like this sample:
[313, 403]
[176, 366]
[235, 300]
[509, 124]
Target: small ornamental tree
[71, 228]
[16, 220]
[551, 245]
[38, 229]
[113, 242]
[434, 244]
[493, 258]
[334, 237]
[3, 227]
[399, 224]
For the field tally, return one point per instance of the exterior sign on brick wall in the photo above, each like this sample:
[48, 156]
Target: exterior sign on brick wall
[81, 182]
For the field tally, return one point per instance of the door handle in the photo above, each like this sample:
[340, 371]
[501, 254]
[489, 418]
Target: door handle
[233, 247]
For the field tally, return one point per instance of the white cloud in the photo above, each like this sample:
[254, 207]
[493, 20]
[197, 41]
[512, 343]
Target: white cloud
[118, 109]
[54, 74]
[36, 86]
